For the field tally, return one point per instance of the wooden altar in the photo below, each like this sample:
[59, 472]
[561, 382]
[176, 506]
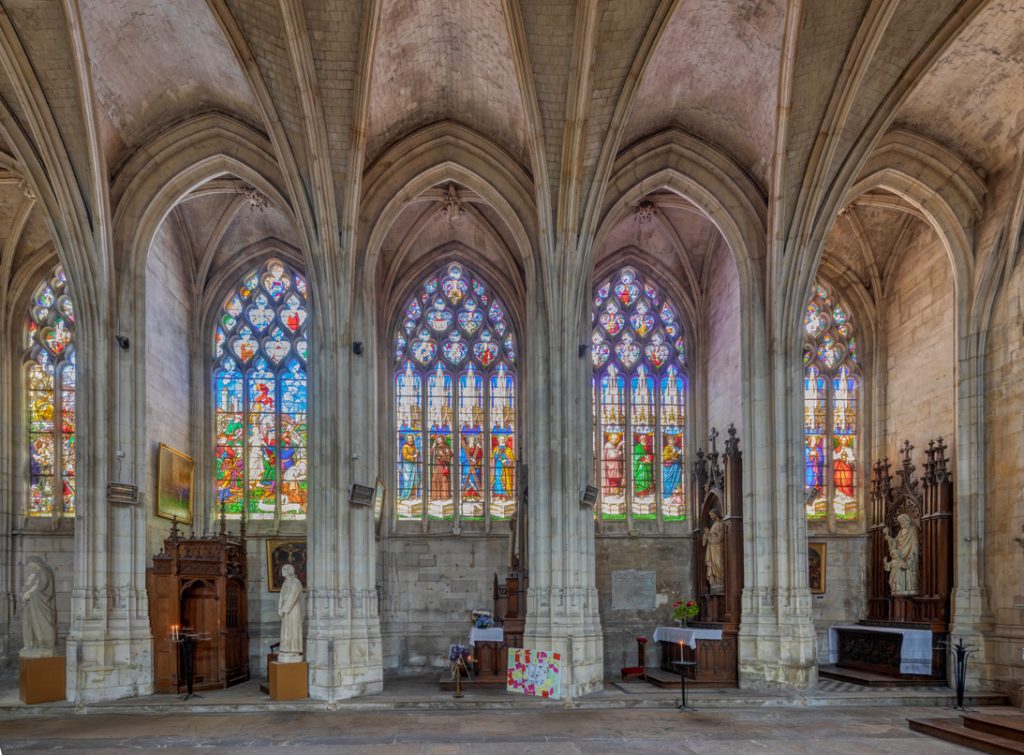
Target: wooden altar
[200, 583]
[716, 486]
[928, 502]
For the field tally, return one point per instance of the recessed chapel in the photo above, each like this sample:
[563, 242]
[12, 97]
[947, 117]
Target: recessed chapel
[580, 320]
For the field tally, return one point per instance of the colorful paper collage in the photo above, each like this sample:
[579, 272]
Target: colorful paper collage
[534, 672]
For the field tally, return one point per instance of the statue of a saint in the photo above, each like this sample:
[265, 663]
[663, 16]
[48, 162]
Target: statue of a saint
[38, 611]
[289, 607]
[904, 557]
[714, 555]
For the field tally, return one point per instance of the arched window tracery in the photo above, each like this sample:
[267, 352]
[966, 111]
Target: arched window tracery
[638, 354]
[455, 401]
[260, 353]
[831, 403]
[49, 364]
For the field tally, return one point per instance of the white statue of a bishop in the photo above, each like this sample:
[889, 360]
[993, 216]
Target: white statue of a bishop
[289, 607]
[38, 610]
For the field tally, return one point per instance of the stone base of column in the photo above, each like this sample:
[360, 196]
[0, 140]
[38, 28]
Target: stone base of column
[778, 642]
[344, 657]
[575, 635]
[108, 669]
[972, 625]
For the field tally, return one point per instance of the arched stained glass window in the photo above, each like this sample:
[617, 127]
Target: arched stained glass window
[455, 401]
[639, 400]
[260, 351]
[49, 358]
[831, 384]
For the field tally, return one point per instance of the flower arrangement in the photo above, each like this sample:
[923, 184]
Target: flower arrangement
[682, 611]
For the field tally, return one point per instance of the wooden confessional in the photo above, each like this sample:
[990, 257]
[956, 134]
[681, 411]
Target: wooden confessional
[716, 485]
[928, 502]
[200, 583]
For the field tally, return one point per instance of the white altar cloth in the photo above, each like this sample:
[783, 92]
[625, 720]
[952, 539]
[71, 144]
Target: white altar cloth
[492, 634]
[687, 636]
[915, 650]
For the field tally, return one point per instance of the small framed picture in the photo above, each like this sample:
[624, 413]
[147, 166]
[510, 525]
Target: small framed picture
[816, 567]
[174, 478]
[285, 552]
[378, 505]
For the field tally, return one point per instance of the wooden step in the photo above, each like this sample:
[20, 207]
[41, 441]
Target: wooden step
[1008, 726]
[953, 730]
[873, 679]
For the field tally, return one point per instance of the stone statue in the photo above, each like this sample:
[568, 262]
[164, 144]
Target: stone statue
[904, 557]
[714, 556]
[289, 608]
[38, 611]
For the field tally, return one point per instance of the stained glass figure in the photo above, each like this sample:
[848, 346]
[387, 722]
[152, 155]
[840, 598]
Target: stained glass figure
[49, 358]
[455, 407]
[640, 399]
[831, 385]
[471, 450]
[260, 396]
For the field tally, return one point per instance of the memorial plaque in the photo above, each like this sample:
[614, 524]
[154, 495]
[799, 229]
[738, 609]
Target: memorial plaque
[633, 590]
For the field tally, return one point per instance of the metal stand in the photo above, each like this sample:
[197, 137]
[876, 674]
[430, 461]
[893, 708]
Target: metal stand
[683, 665]
[960, 655]
[459, 666]
[187, 660]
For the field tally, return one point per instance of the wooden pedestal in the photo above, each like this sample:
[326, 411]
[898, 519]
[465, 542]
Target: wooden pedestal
[289, 681]
[41, 680]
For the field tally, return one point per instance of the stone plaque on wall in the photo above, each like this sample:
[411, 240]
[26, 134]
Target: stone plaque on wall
[633, 590]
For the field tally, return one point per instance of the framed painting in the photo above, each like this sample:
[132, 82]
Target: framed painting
[816, 567]
[174, 484]
[285, 552]
[378, 505]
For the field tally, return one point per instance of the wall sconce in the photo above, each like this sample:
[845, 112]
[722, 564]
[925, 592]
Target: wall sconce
[582, 351]
[357, 347]
[122, 341]
[588, 497]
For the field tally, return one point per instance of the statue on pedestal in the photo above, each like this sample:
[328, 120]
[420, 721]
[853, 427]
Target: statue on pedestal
[289, 608]
[904, 556]
[38, 611]
[714, 556]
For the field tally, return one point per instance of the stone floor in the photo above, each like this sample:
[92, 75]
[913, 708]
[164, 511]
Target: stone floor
[554, 730]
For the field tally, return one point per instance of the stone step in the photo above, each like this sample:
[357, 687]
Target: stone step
[873, 679]
[953, 730]
[1008, 727]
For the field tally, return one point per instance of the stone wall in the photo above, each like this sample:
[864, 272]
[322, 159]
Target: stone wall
[168, 383]
[724, 378]
[1004, 483]
[670, 558]
[920, 346]
[845, 598]
[428, 586]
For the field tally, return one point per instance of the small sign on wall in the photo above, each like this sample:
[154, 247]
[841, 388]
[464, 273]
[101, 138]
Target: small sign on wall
[633, 590]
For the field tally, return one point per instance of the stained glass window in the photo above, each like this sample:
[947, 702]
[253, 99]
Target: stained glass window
[260, 348]
[455, 401]
[639, 400]
[49, 357]
[831, 385]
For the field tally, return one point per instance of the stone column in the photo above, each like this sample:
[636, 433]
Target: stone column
[109, 648]
[778, 642]
[562, 613]
[8, 504]
[343, 646]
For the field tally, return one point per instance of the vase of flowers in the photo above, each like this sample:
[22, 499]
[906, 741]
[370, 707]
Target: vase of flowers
[684, 611]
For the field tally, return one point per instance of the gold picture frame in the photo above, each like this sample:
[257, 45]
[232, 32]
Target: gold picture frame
[816, 567]
[281, 551]
[175, 483]
[378, 505]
